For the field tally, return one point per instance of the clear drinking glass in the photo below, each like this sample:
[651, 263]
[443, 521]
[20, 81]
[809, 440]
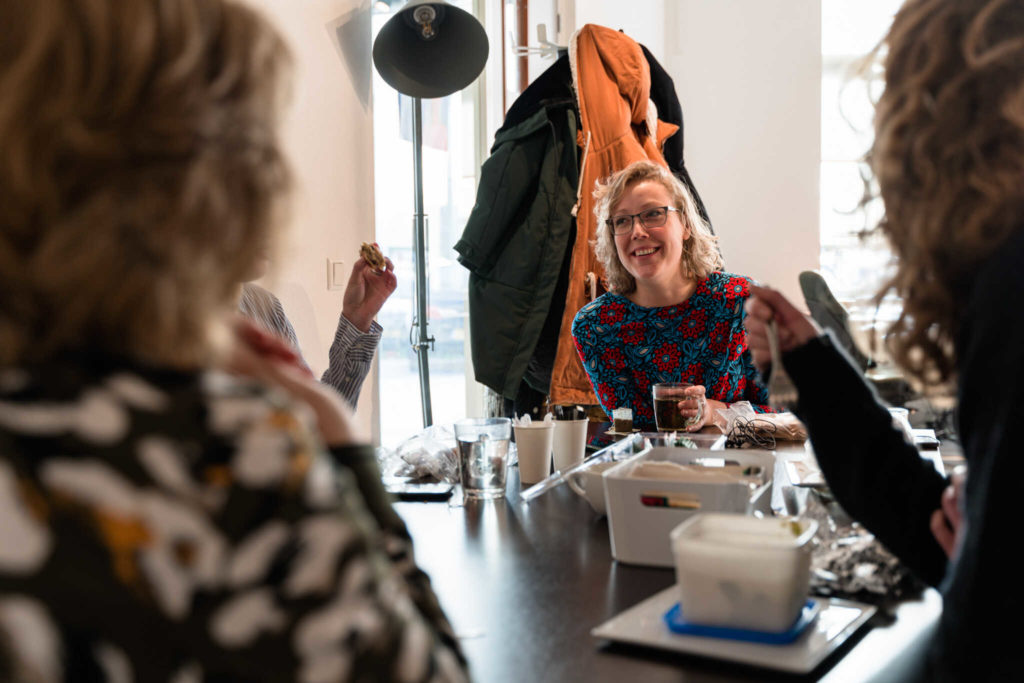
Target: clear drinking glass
[667, 396]
[483, 455]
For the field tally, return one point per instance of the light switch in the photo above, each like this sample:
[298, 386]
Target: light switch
[335, 274]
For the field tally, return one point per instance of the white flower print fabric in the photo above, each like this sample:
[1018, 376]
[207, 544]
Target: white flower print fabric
[166, 526]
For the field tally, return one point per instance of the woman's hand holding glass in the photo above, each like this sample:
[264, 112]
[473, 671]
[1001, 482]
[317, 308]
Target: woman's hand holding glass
[694, 408]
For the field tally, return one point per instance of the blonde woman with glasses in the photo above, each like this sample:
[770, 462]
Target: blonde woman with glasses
[671, 314]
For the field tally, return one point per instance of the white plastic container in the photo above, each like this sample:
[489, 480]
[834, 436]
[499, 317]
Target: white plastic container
[743, 572]
[642, 511]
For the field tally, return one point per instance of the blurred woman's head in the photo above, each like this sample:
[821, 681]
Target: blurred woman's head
[699, 256]
[949, 158]
[141, 172]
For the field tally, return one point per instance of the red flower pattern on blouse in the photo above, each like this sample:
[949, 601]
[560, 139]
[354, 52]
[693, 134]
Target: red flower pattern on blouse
[668, 312]
[694, 324]
[612, 313]
[737, 348]
[643, 384]
[718, 340]
[614, 358]
[738, 287]
[606, 395]
[720, 391]
[693, 373]
[633, 333]
[666, 357]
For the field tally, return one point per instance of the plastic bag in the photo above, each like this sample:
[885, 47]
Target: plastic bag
[743, 425]
[430, 456]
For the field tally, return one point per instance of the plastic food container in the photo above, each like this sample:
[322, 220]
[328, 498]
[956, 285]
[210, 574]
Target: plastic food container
[643, 508]
[743, 572]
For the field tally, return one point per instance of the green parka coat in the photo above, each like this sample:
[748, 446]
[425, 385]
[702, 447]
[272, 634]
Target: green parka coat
[515, 241]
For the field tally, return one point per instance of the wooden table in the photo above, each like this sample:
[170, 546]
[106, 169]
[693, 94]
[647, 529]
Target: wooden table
[524, 584]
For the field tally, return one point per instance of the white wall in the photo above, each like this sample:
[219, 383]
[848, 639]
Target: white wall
[748, 74]
[329, 137]
[641, 20]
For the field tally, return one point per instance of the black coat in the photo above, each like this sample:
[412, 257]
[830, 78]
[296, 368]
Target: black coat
[883, 482]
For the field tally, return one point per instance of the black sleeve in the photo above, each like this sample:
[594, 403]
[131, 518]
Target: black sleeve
[362, 462]
[876, 476]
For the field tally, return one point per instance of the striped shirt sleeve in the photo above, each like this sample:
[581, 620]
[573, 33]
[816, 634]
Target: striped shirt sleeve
[351, 352]
[350, 357]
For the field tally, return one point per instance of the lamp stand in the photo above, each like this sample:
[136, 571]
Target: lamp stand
[419, 241]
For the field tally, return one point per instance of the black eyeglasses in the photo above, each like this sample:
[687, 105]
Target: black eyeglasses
[654, 217]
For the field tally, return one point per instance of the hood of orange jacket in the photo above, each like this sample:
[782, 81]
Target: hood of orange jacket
[617, 127]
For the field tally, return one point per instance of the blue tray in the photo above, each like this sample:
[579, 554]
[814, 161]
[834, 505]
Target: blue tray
[677, 624]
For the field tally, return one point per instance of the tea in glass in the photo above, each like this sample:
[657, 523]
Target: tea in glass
[667, 396]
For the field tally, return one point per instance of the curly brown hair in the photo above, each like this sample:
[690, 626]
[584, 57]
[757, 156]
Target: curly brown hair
[140, 172]
[700, 252]
[949, 158]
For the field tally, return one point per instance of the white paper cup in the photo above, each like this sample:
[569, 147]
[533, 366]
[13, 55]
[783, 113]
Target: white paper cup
[533, 444]
[570, 442]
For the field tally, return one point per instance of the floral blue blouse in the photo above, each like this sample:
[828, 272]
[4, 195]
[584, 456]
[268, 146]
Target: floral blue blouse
[626, 348]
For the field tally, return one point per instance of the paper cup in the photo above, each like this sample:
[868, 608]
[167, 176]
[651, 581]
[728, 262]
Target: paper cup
[533, 444]
[570, 442]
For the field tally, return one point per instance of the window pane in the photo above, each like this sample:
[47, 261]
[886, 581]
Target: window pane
[854, 266]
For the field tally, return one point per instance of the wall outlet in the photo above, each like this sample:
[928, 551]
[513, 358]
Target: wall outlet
[335, 274]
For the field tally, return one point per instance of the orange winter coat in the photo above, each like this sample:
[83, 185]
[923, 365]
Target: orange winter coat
[618, 126]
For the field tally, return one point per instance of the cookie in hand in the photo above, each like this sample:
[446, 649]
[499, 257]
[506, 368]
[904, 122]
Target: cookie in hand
[371, 254]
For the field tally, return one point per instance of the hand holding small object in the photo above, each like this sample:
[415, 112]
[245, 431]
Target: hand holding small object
[367, 290]
[794, 328]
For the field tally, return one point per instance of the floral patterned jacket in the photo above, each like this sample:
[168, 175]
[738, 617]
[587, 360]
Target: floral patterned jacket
[166, 526]
[626, 348]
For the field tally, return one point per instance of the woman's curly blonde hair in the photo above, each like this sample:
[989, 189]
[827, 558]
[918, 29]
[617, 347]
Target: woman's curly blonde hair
[140, 173]
[949, 158]
[700, 254]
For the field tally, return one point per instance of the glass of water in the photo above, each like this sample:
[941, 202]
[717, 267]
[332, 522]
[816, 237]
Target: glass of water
[483, 455]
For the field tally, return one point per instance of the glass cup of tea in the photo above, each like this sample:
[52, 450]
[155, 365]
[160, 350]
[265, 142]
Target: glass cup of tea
[483, 455]
[667, 417]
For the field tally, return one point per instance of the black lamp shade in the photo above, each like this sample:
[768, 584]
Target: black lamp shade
[430, 67]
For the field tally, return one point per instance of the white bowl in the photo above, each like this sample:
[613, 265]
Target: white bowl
[743, 572]
[589, 483]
